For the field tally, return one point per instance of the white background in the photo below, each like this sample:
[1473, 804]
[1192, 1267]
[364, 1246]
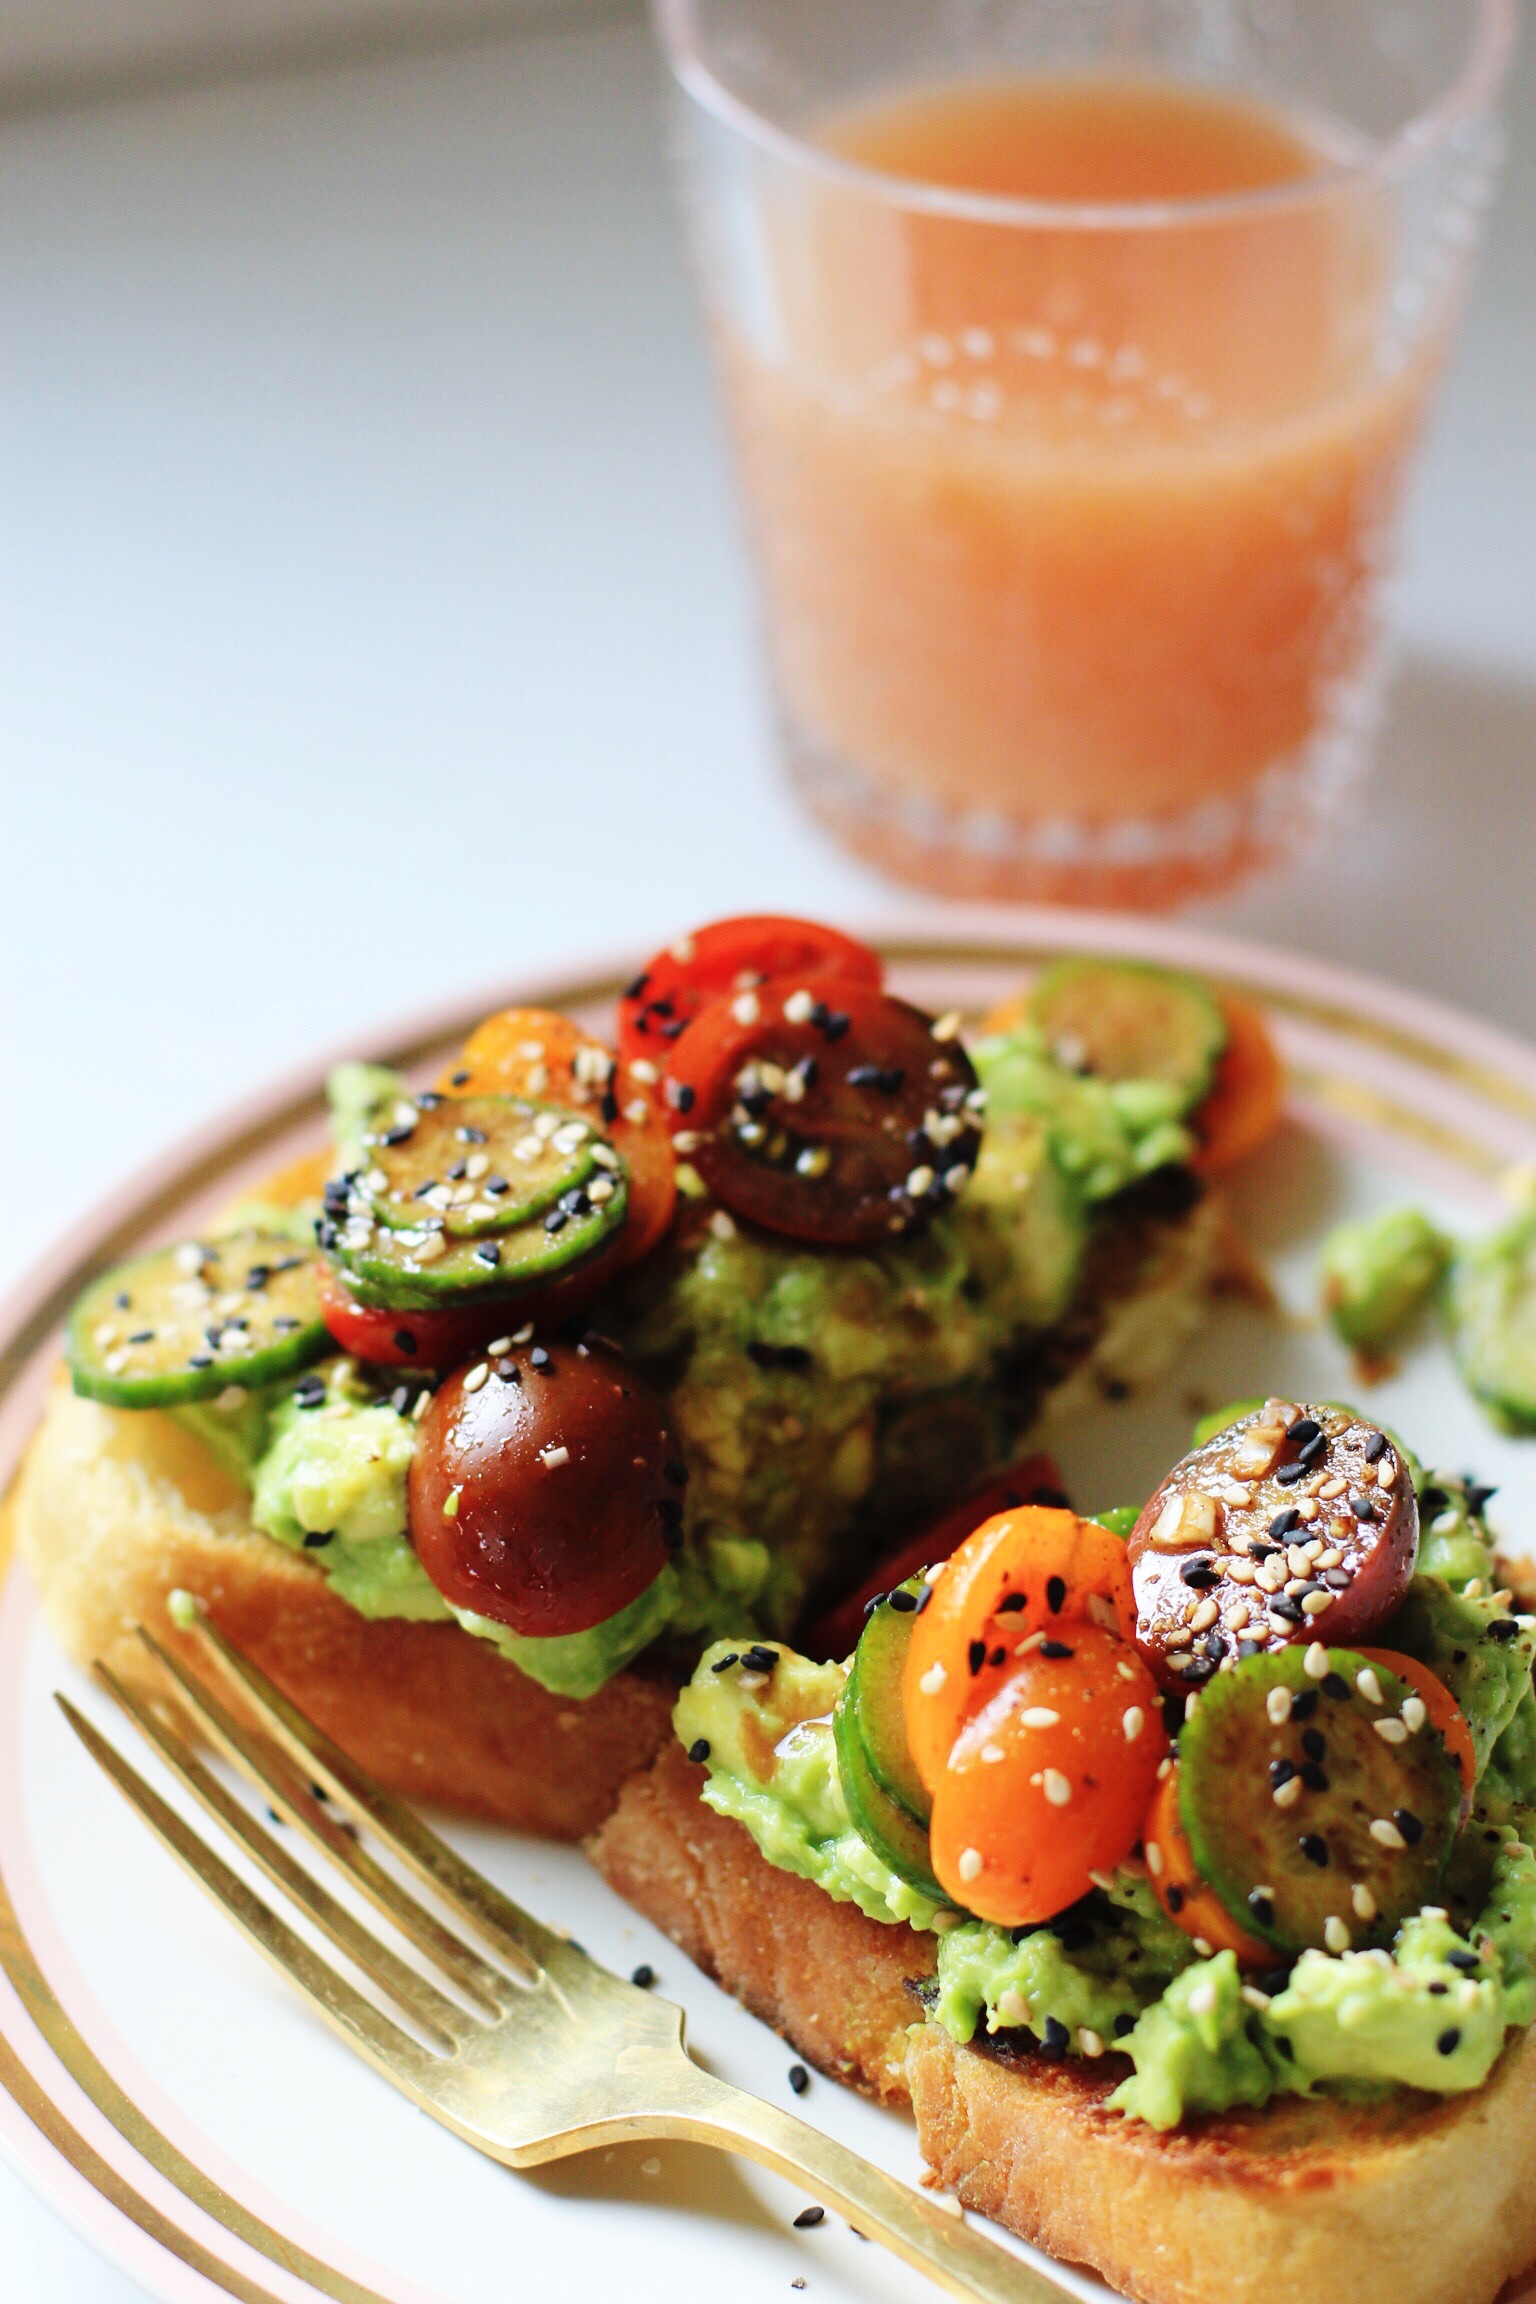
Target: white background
[373, 622]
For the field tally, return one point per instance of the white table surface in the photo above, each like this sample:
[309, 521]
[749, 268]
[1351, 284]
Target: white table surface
[373, 621]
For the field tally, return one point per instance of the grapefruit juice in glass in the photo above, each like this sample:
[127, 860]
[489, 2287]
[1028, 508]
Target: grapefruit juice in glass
[1074, 394]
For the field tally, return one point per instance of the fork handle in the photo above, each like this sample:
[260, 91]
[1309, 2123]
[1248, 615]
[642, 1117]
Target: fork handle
[910, 2223]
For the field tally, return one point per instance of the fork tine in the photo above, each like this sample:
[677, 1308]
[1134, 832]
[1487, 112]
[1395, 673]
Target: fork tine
[272, 1776]
[469, 1893]
[446, 2022]
[383, 2042]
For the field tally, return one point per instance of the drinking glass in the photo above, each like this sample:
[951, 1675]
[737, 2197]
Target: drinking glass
[1070, 516]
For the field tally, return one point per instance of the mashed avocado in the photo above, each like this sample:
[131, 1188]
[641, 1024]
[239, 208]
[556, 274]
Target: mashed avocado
[578, 1663]
[1113, 1972]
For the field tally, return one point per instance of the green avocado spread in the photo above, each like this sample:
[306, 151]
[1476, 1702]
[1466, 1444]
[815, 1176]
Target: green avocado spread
[816, 1393]
[1113, 1974]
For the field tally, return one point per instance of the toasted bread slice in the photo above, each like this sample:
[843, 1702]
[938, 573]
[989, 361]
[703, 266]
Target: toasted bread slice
[1408, 2199]
[114, 1510]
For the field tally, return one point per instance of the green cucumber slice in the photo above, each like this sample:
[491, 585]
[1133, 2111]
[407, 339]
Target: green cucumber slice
[1491, 1306]
[482, 1165]
[1127, 1020]
[417, 1271]
[873, 1702]
[184, 1323]
[1360, 1843]
[897, 1838]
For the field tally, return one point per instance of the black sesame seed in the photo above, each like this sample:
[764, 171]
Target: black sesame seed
[1314, 1848]
[457, 1173]
[1057, 2037]
[799, 2079]
[1055, 1594]
[1312, 1742]
[1449, 2040]
[1123, 2024]
[1199, 1572]
[1247, 1648]
[1376, 1447]
[556, 1220]
[1284, 1521]
[142, 1336]
[1280, 1772]
[1409, 1825]
[644, 1975]
[1011, 1603]
[1312, 1776]
[1434, 1499]
[997, 1656]
[462, 1080]
[724, 1663]
[1467, 1962]
[976, 1656]
[904, 1602]
[1305, 1428]
[1214, 1645]
[539, 1358]
[1197, 1670]
[1503, 1628]
[1314, 1452]
[1363, 1507]
[257, 1277]
[488, 1253]
[1274, 1980]
[809, 2218]
[404, 1340]
[1289, 1610]
[1056, 1650]
[1262, 1907]
[122, 1300]
[1437, 1991]
[1304, 1705]
[698, 1750]
[1173, 1896]
[759, 1659]
[923, 1598]
[494, 1187]
[875, 1600]
[1478, 1498]
[1289, 1474]
[1334, 1684]
[314, 1538]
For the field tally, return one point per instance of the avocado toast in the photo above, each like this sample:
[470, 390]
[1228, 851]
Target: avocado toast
[834, 1255]
[1207, 1952]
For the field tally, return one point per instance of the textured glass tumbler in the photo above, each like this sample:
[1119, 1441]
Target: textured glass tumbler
[1071, 518]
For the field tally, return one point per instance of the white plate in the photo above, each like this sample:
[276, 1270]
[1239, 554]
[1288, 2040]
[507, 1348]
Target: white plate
[179, 2106]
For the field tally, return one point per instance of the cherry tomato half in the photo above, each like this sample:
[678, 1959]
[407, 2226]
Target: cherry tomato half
[1049, 1782]
[1443, 1711]
[1178, 1887]
[729, 956]
[823, 1109]
[1034, 1480]
[405, 1339]
[1247, 1097]
[540, 1053]
[546, 1497]
[1021, 1577]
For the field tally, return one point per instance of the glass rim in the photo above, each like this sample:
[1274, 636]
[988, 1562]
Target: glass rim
[1495, 24]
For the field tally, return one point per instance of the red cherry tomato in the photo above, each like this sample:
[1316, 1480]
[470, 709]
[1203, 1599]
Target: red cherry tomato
[823, 1109]
[729, 956]
[1019, 1579]
[1036, 1480]
[1049, 1781]
[443, 1339]
[546, 1497]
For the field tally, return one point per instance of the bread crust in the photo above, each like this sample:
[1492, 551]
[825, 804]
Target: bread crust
[113, 1511]
[1413, 2199]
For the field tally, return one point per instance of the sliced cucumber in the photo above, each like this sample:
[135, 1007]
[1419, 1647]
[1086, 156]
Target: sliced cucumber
[873, 1701]
[1126, 1020]
[1360, 1842]
[1491, 1306]
[1120, 1519]
[480, 1164]
[184, 1323]
[896, 1837]
[417, 1271]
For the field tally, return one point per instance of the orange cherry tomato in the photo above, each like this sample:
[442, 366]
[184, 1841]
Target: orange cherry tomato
[1444, 1713]
[1242, 1110]
[538, 1052]
[1049, 1782]
[1178, 1887]
[1022, 1574]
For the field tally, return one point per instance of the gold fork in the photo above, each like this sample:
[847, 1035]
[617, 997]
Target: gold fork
[537, 2052]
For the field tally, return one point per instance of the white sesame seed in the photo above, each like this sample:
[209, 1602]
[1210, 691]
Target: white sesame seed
[1386, 1834]
[1391, 1731]
[1434, 1912]
[189, 1256]
[1308, 1508]
[1089, 2041]
[524, 1335]
[1333, 1487]
[601, 1190]
[969, 1866]
[1058, 1788]
[815, 1160]
[945, 1919]
[451, 1500]
[1445, 1523]
[948, 1025]
[1154, 1856]
[1254, 1998]
[1466, 1993]
[722, 1225]
[476, 1376]
[1278, 1705]
[1204, 1616]
[1164, 1768]
[1133, 1720]
[553, 1458]
[992, 1753]
[1315, 1603]
[747, 1008]
[1012, 2006]
[1287, 1794]
[933, 1679]
[115, 1362]
[919, 1181]
[1028, 1645]
[1363, 1901]
[1315, 1661]
[1040, 1716]
[1386, 1472]
[1102, 1880]
[1204, 1947]
[1336, 1933]
[423, 1403]
[643, 1070]
[1202, 1998]
[797, 1008]
[1369, 1686]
